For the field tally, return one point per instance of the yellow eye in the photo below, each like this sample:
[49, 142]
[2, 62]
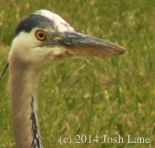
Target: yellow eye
[40, 35]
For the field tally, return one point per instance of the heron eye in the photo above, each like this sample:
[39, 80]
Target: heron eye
[40, 35]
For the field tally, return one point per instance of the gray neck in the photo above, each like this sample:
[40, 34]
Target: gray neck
[36, 143]
[24, 88]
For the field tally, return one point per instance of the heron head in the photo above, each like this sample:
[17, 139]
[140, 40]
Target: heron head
[44, 37]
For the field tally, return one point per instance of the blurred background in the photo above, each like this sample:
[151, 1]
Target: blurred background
[94, 95]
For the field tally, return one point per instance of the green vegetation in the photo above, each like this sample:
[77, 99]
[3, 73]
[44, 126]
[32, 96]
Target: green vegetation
[91, 96]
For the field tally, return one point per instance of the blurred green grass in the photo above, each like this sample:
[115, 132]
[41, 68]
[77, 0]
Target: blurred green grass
[91, 96]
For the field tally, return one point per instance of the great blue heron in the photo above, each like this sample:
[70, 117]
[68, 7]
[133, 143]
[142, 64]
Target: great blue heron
[40, 40]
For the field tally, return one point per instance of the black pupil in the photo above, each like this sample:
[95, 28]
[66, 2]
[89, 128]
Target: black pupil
[41, 35]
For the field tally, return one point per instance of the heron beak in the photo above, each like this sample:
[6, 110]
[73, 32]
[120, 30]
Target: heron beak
[82, 45]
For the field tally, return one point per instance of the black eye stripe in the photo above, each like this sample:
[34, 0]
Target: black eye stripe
[34, 21]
